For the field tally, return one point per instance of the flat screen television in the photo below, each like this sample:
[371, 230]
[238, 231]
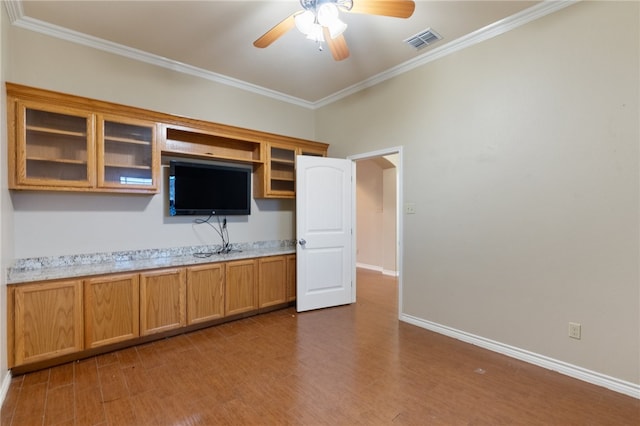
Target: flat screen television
[208, 189]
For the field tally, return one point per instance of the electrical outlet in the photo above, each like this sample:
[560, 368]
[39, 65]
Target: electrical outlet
[575, 330]
[410, 208]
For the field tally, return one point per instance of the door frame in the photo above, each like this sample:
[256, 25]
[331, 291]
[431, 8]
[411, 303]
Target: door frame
[399, 210]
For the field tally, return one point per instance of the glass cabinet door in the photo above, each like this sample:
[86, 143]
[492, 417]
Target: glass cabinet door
[55, 147]
[126, 153]
[282, 170]
[277, 178]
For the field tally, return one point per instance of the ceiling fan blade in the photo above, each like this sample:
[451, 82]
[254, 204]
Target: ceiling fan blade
[337, 46]
[393, 8]
[276, 32]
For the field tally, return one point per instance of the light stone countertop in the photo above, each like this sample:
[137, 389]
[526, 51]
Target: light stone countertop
[42, 269]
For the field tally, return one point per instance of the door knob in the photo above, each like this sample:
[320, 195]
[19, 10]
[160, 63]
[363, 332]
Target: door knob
[302, 241]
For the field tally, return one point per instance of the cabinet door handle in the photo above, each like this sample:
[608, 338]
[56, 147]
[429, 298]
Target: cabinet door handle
[302, 241]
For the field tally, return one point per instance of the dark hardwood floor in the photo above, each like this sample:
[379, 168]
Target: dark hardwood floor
[350, 365]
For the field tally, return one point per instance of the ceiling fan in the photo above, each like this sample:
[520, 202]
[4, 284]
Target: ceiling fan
[319, 21]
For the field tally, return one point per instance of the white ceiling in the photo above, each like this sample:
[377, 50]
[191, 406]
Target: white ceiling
[214, 38]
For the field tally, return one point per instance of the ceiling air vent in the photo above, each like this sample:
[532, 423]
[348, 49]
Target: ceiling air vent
[423, 39]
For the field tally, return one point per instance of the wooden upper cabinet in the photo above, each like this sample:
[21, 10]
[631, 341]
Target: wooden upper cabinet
[276, 178]
[51, 147]
[127, 154]
[61, 142]
[282, 171]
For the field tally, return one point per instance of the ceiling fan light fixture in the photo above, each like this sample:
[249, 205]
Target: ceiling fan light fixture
[328, 16]
[311, 21]
[337, 28]
[305, 21]
[344, 4]
[316, 34]
[307, 24]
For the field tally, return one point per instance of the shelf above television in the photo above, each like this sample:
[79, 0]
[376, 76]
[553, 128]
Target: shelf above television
[191, 142]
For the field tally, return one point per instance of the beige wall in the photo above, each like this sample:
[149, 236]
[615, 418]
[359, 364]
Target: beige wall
[375, 215]
[521, 156]
[389, 221]
[369, 214]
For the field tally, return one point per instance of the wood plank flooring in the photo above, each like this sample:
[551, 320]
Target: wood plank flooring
[350, 365]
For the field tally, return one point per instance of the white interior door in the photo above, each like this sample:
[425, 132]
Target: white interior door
[324, 228]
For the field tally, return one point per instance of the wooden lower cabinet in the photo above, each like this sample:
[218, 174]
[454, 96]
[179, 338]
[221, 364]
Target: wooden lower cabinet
[111, 309]
[162, 300]
[47, 321]
[205, 293]
[291, 277]
[241, 286]
[61, 318]
[272, 281]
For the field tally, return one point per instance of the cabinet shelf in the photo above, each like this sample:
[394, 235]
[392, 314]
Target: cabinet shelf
[48, 130]
[282, 179]
[128, 166]
[57, 160]
[283, 161]
[127, 141]
[186, 141]
[208, 155]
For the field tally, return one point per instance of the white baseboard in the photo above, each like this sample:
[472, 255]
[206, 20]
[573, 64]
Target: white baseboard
[377, 269]
[390, 273]
[617, 385]
[4, 386]
[369, 267]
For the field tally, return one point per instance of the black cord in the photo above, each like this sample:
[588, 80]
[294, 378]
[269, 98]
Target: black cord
[221, 230]
[203, 254]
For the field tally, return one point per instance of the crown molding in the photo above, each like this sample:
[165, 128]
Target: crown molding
[16, 15]
[14, 10]
[500, 27]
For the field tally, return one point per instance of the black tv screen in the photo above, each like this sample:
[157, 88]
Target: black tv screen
[207, 189]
